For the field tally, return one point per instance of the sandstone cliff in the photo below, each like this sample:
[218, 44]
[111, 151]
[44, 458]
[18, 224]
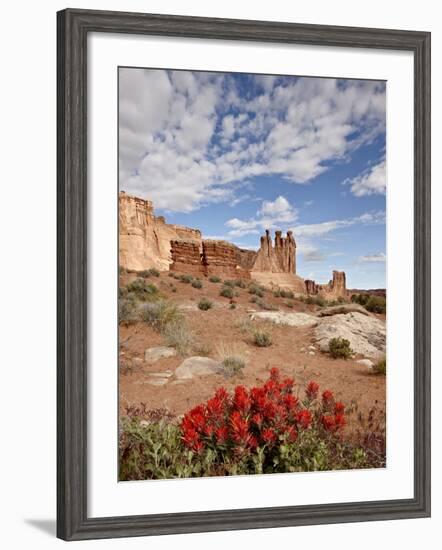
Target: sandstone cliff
[336, 288]
[144, 239]
[280, 258]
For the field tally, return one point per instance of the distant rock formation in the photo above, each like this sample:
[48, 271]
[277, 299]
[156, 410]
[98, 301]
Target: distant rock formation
[280, 258]
[144, 239]
[147, 241]
[335, 288]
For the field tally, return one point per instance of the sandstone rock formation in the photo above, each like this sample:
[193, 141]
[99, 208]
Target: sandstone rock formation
[283, 318]
[144, 239]
[335, 288]
[280, 258]
[219, 258]
[186, 257]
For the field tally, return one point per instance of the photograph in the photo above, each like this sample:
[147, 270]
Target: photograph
[252, 274]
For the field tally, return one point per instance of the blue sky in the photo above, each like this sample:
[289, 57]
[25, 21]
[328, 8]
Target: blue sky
[234, 154]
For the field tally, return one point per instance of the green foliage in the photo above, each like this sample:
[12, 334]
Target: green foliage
[339, 348]
[375, 304]
[256, 290]
[142, 290]
[214, 279]
[159, 314]
[233, 365]
[265, 305]
[281, 293]
[204, 304]
[380, 367]
[261, 338]
[316, 301]
[240, 283]
[229, 283]
[289, 304]
[232, 306]
[227, 292]
[177, 334]
[185, 278]
[196, 283]
[122, 270]
[127, 309]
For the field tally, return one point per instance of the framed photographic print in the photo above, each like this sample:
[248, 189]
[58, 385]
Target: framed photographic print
[243, 274]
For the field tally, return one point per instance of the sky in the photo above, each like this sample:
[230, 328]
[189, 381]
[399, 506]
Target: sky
[234, 154]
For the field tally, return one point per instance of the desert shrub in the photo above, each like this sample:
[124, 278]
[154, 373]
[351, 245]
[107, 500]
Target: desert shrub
[376, 304]
[244, 325]
[185, 278]
[316, 301]
[231, 356]
[256, 290]
[228, 282]
[339, 348]
[159, 314]
[142, 290]
[177, 334]
[204, 304]
[202, 349]
[144, 273]
[380, 367]
[122, 270]
[289, 304]
[253, 299]
[261, 338]
[214, 279]
[171, 274]
[227, 292]
[360, 299]
[240, 283]
[232, 306]
[152, 272]
[196, 283]
[127, 309]
[277, 293]
[265, 429]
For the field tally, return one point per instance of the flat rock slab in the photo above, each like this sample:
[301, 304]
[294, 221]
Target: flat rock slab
[366, 363]
[197, 366]
[164, 374]
[366, 334]
[342, 309]
[283, 318]
[158, 352]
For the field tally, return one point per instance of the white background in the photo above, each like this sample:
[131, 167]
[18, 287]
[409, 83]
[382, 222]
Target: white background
[28, 268]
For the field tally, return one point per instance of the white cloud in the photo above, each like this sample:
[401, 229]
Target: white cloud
[370, 182]
[270, 216]
[188, 139]
[373, 258]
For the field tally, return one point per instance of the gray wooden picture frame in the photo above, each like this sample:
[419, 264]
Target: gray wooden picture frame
[73, 27]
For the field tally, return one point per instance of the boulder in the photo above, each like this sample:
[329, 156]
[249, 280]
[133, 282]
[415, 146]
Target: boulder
[366, 334]
[158, 352]
[197, 366]
[342, 308]
[285, 318]
[366, 363]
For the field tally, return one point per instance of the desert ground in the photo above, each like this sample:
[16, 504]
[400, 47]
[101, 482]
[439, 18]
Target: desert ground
[150, 383]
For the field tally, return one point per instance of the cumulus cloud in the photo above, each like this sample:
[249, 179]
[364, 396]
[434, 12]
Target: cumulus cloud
[271, 215]
[187, 139]
[371, 182]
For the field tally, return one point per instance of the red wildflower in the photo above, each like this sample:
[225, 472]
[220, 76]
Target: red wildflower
[292, 434]
[327, 397]
[329, 423]
[287, 384]
[257, 419]
[241, 399]
[312, 390]
[198, 446]
[290, 401]
[274, 374]
[252, 442]
[191, 438]
[240, 426]
[339, 407]
[221, 435]
[268, 435]
[215, 407]
[222, 394]
[304, 419]
[340, 421]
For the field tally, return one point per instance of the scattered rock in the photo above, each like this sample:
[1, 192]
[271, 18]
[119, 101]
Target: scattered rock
[197, 366]
[311, 348]
[155, 381]
[158, 352]
[136, 361]
[311, 353]
[285, 318]
[366, 334]
[164, 374]
[366, 363]
[342, 309]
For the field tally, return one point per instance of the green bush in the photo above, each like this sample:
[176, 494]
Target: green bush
[214, 279]
[380, 367]
[159, 314]
[256, 290]
[229, 283]
[376, 304]
[262, 338]
[316, 301]
[265, 305]
[289, 304]
[204, 304]
[185, 278]
[240, 283]
[142, 290]
[127, 309]
[178, 335]
[339, 348]
[227, 292]
[196, 283]
[232, 306]
[233, 365]
[122, 270]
